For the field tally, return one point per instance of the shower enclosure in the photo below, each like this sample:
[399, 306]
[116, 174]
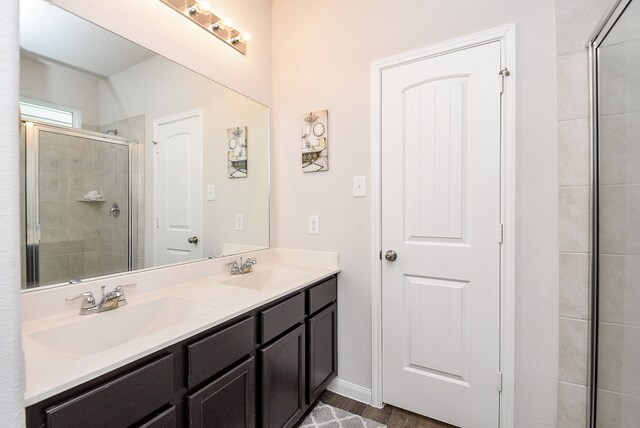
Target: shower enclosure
[77, 193]
[615, 299]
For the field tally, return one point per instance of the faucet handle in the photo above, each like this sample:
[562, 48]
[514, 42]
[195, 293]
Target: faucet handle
[122, 300]
[88, 302]
[88, 295]
[252, 260]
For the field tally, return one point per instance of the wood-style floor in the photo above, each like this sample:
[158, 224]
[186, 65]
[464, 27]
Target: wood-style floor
[391, 416]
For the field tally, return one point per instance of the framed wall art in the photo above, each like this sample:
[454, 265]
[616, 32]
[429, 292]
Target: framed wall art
[237, 154]
[315, 151]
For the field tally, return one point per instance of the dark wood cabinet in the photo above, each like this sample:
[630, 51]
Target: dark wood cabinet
[283, 380]
[263, 368]
[228, 401]
[322, 342]
[121, 402]
[165, 419]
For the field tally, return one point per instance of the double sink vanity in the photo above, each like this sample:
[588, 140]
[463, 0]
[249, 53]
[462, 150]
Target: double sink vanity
[194, 345]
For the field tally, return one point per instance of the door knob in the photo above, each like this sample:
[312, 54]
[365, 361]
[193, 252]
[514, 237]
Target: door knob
[390, 256]
[193, 240]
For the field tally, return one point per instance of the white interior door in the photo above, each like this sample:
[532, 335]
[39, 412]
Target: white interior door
[177, 188]
[441, 214]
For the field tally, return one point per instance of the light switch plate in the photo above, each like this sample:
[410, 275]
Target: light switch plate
[359, 186]
[211, 195]
[239, 222]
[314, 225]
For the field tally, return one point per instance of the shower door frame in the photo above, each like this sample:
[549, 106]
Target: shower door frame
[32, 191]
[595, 41]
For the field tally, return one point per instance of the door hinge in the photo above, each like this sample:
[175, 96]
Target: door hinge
[155, 143]
[501, 75]
[499, 381]
[501, 233]
[380, 254]
[157, 222]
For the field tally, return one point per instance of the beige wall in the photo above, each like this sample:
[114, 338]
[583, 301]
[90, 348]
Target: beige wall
[159, 88]
[12, 374]
[322, 53]
[159, 28]
[72, 89]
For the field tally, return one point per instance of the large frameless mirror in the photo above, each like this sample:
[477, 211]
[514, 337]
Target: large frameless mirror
[615, 351]
[130, 160]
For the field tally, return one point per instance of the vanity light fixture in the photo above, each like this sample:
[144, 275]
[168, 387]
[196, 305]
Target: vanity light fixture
[200, 12]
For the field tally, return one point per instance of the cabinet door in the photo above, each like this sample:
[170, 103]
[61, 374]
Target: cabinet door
[283, 380]
[228, 401]
[322, 346]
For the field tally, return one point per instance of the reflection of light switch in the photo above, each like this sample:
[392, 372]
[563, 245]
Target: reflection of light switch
[239, 222]
[359, 187]
[210, 193]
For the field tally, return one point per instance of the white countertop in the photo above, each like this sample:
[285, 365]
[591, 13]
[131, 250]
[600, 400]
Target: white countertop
[49, 372]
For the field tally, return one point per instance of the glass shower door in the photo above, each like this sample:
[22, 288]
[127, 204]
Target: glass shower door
[616, 370]
[77, 205]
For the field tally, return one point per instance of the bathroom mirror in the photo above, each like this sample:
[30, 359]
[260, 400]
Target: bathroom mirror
[130, 160]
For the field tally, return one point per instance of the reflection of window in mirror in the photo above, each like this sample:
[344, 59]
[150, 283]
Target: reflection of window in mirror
[53, 114]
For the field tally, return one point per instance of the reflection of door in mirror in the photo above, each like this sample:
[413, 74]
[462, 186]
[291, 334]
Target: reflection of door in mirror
[73, 177]
[177, 158]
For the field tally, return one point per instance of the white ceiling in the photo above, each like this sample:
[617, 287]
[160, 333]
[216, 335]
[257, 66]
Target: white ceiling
[50, 32]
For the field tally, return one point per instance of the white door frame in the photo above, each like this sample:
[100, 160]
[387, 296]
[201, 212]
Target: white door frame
[199, 113]
[506, 36]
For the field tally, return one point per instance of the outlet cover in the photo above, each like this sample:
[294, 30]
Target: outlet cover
[314, 225]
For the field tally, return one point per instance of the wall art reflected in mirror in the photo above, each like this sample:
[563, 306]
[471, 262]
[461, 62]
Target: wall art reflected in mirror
[125, 156]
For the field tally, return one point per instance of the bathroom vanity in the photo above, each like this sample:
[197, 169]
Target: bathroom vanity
[225, 367]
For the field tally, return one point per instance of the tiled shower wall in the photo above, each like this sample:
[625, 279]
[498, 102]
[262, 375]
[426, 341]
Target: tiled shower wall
[575, 22]
[69, 229]
[133, 128]
[80, 239]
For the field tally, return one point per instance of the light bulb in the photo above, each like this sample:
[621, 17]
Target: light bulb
[246, 37]
[204, 5]
[228, 22]
[219, 25]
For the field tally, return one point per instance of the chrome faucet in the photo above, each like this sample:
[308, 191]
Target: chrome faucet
[111, 300]
[242, 268]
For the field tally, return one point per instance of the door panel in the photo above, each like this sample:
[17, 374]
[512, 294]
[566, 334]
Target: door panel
[178, 188]
[441, 214]
[436, 128]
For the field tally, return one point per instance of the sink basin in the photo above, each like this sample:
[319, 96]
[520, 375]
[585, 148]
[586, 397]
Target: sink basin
[98, 332]
[264, 279]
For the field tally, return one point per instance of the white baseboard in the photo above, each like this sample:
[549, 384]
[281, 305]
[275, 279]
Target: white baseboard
[350, 390]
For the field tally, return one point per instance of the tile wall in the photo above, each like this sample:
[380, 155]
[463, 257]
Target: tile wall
[575, 22]
[618, 404]
[133, 128]
[69, 228]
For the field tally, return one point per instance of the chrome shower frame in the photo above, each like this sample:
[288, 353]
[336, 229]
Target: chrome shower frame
[32, 205]
[595, 41]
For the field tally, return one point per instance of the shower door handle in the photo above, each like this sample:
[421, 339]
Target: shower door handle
[193, 240]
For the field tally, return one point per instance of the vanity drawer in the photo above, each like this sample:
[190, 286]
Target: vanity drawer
[321, 295]
[121, 402]
[218, 351]
[166, 419]
[279, 318]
